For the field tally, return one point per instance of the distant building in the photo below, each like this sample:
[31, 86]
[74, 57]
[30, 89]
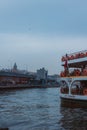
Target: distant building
[54, 77]
[53, 80]
[17, 76]
[14, 78]
[42, 74]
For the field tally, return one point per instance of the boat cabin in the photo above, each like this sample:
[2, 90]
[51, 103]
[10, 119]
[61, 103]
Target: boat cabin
[77, 86]
[75, 66]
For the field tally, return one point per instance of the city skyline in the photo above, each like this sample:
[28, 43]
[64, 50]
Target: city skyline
[36, 34]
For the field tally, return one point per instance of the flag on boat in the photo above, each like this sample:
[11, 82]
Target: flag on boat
[66, 63]
[66, 67]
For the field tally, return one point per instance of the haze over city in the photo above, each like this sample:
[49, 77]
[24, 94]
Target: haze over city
[36, 33]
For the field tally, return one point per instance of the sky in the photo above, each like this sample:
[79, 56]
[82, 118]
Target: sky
[37, 33]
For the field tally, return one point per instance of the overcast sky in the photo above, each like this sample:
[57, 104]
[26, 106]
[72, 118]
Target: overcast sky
[36, 33]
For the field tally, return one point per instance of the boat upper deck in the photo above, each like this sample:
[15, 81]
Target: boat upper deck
[77, 61]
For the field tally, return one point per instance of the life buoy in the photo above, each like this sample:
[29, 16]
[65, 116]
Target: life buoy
[62, 74]
[77, 56]
[86, 54]
[77, 72]
[85, 91]
[84, 72]
[72, 57]
[82, 55]
[63, 59]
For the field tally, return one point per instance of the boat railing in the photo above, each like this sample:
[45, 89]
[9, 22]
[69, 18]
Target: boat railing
[76, 55]
[83, 51]
[63, 74]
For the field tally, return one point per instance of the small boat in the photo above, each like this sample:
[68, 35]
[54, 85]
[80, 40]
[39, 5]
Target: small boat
[73, 86]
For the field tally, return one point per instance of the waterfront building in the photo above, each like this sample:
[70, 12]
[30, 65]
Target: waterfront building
[15, 76]
[53, 80]
[42, 75]
[54, 77]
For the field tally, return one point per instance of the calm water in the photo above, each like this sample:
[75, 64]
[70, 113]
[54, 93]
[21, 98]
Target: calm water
[39, 109]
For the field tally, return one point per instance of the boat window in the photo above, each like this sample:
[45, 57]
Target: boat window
[75, 88]
[83, 87]
[79, 87]
[64, 87]
[83, 84]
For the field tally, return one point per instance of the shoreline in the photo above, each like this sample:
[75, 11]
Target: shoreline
[11, 87]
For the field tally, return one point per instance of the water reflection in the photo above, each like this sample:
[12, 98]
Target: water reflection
[73, 119]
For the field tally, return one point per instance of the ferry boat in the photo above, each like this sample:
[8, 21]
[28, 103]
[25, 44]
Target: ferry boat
[73, 90]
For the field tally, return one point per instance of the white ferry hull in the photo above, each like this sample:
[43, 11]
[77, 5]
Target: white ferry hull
[73, 101]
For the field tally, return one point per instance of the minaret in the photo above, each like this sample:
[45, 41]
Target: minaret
[15, 68]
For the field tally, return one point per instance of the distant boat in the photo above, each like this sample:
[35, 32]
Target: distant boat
[73, 90]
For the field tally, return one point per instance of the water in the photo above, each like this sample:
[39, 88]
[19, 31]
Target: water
[39, 109]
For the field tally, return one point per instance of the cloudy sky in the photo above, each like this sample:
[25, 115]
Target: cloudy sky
[36, 33]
